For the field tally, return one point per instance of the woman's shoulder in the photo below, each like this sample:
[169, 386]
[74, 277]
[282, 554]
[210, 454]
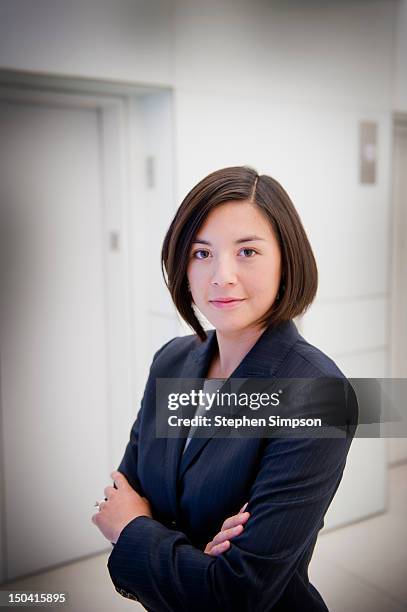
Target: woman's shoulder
[306, 360]
[176, 349]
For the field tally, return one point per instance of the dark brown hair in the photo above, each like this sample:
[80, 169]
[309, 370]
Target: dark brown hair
[299, 275]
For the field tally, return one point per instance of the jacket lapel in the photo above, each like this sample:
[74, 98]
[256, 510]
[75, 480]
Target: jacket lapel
[262, 361]
[195, 367]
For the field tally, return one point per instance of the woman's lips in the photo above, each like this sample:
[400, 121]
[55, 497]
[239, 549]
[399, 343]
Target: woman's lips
[226, 305]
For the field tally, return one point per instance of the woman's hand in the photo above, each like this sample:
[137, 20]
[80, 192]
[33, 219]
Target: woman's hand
[232, 527]
[122, 506]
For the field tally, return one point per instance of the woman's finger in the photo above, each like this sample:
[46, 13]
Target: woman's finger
[243, 508]
[219, 541]
[237, 519]
[227, 534]
[232, 527]
[218, 549]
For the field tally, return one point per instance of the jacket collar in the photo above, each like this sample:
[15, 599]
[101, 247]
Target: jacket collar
[263, 359]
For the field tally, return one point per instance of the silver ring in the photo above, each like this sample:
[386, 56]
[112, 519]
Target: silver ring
[97, 503]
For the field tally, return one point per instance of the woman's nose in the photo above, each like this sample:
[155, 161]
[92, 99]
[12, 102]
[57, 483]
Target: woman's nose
[224, 273]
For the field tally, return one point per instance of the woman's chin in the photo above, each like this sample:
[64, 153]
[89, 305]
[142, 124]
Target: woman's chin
[227, 321]
[229, 327]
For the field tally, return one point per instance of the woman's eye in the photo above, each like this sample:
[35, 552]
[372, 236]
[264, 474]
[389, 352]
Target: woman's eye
[201, 254]
[204, 254]
[248, 252]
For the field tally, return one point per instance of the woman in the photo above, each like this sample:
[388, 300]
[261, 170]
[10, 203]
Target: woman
[236, 251]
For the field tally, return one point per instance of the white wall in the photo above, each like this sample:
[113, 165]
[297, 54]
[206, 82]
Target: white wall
[296, 52]
[342, 52]
[129, 40]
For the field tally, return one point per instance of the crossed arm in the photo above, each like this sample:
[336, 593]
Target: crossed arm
[295, 484]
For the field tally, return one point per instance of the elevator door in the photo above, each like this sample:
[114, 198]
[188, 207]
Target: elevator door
[53, 337]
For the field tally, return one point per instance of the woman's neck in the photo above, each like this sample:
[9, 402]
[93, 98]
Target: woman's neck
[232, 349]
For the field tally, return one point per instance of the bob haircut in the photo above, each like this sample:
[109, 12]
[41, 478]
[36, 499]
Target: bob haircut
[299, 275]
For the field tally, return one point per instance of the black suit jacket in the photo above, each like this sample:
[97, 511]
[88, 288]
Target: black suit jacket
[288, 482]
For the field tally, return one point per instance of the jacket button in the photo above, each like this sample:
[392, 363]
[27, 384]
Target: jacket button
[173, 523]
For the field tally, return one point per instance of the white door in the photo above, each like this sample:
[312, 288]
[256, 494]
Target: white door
[53, 338]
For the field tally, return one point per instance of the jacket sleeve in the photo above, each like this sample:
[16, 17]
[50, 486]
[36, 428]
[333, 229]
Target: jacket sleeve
[128, 465]
[294, 486]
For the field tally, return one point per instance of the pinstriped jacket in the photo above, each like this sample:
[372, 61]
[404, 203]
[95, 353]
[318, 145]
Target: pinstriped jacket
[288, 482]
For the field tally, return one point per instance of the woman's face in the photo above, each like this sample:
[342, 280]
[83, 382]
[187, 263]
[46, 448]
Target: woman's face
[234, 255]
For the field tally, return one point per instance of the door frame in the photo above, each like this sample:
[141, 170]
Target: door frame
[397, 447]
[399, 126]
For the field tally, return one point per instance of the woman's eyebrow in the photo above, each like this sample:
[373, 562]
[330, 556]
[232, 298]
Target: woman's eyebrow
[238, 241]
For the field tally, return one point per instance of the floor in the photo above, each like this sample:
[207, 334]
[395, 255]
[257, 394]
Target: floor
[359, 568]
